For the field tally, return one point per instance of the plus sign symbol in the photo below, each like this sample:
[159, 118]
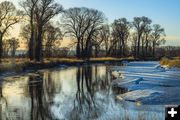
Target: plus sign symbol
[172, 113]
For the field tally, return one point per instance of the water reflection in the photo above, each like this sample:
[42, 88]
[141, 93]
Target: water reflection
[89, 82]
[75, 93]
[40, 97]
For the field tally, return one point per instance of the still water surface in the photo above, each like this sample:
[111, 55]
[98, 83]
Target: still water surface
[72, 93]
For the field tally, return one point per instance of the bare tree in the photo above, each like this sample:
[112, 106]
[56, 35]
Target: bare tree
[45, 10]
[40, 12]
[140, 24]
[29, 8]
[105, 37]
[25, 34]
[120, 33]
[82, 24]
[101, 40]
[52, 36]
[133, 39]
[10, 46]
[6, 47]
[146, 41]
[14, 44]
[8, 17]
[158, 34]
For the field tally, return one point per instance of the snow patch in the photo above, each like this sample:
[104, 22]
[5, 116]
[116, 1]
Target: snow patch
[136, 95]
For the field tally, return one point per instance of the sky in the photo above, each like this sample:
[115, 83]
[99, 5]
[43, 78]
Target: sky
[163, 12]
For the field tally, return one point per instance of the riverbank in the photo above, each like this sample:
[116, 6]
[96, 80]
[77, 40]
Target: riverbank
[175, 62]
[23, 64]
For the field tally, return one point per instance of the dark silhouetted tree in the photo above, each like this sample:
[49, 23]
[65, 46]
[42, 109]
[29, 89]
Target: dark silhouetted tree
[29, 8]
[120, 33]
[9, 16]
[52, 37]
[158, 34]
[14, 44]
[140, 24]
[40, 12]
[82, 24]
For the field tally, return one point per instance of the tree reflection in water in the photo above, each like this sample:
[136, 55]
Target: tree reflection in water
[89, 82]
[41, 89]
[3, 101]
[76, 93]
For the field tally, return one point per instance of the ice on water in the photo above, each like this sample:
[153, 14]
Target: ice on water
[150, 82]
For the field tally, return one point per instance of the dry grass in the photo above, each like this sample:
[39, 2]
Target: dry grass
[175, 62]
[110, 59]
[17, 64]
[61, 60]
[15, 60]
[104, 59]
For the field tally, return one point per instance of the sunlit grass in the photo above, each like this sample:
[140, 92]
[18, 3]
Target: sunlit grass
[17, 64]
[15, 60]
[175, 62]
[111, 58]
[10, 61]
[61, 60]
[50, 60]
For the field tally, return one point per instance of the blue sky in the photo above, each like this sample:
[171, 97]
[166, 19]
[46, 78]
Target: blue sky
[164, 12]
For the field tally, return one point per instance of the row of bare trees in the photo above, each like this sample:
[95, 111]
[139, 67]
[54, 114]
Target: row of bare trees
[10, 46]
[39, 13]
[146, 37]
[39, 29]
[93, 34]
[88, 27]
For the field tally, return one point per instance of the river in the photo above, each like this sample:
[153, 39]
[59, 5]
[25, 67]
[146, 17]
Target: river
[90, 92]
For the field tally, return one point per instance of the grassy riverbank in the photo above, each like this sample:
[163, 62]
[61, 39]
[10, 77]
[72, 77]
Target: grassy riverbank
[174, 62]
[22, 64]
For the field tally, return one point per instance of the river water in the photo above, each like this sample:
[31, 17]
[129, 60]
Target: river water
[83, 93]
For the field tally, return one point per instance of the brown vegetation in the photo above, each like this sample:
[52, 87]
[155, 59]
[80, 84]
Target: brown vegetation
[175, 62]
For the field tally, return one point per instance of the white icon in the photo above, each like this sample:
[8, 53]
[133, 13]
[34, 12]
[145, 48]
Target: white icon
[172, 112]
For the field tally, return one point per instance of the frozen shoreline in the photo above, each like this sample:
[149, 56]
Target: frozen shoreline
[148, 82]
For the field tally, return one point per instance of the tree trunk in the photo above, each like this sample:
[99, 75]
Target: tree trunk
[38, 51]
[1, 47]
[82, 53]
[135, 49]
[123, 48]
[142, 47]
[30, 52]
[153, 48]
[146, 53]
[78, 50]
[138, 47]
[32, 40]
[106, 49]
[13, 53]
[150, 49]
[120, 48]
[87, 52]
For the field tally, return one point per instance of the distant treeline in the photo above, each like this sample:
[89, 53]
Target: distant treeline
[163, 51]
[168, 51]
[89, 30]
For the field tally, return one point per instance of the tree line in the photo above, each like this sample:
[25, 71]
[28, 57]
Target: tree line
[89, 29]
